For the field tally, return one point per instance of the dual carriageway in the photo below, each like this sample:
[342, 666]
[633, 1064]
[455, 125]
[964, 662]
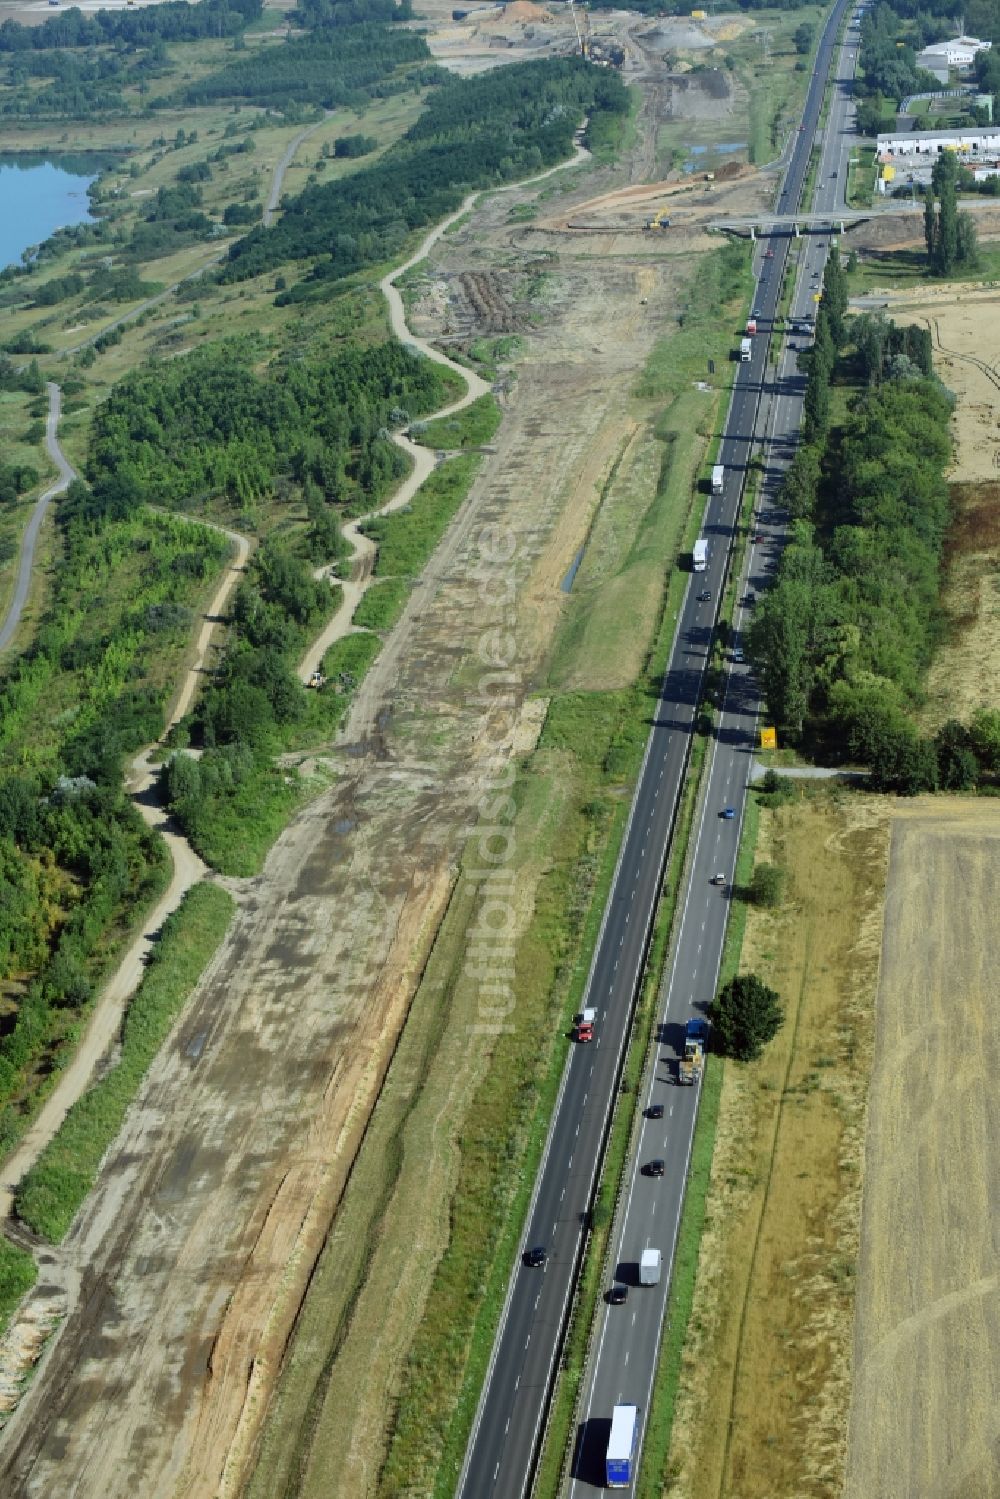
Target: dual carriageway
[764, 415]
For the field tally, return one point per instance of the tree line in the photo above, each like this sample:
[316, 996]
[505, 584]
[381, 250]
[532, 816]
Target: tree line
[349, 68]
[475, 131]
[173, 21]
[843, 640]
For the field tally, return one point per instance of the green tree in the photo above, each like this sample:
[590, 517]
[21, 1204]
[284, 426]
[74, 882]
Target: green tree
[802, 38]
[745, 1016]
[767, 885]
[958, 764]
[835, 297]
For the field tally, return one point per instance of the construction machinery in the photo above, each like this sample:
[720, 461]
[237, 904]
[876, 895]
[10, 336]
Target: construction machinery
[658, 221]
[692, 1061]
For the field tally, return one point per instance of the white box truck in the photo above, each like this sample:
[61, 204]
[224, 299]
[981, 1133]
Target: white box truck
[718, 478]
[621, 1446]
[746, 349]
[699, 557]
[649, 1267]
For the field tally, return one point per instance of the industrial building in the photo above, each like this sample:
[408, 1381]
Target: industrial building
[960, 52]
[977, 142]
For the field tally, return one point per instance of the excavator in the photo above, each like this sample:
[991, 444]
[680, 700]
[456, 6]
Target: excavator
[658, 221]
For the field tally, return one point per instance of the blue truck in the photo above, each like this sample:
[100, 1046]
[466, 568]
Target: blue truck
[621, 1446]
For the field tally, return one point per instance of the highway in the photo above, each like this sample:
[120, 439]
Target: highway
[503, 1445]
[627, 1337]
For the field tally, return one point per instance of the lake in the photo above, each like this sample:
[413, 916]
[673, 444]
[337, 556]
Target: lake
[38, 195]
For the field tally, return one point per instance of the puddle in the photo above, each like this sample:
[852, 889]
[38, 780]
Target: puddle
[570, 578]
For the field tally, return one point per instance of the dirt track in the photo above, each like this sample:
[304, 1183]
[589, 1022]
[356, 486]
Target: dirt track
[925, 1413]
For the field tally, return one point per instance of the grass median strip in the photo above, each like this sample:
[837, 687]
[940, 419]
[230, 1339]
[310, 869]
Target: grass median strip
[52, 1191]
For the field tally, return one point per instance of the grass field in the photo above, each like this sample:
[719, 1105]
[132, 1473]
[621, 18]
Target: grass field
[763, 1381]
[927, 1330]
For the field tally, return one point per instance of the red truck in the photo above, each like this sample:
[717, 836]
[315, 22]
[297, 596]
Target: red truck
[583, 1025]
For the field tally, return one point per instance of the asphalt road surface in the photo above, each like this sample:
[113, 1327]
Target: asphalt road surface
[503, 1445]
[627, 1340]
[29, 545]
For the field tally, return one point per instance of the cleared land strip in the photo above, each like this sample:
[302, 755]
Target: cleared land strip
[925, 1410]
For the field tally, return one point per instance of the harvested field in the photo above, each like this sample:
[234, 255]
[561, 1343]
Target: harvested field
[762, 1407]
[925, 1410]
[965, 672]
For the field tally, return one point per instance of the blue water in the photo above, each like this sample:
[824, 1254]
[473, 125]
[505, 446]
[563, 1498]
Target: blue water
[567, 583]
[39, 196]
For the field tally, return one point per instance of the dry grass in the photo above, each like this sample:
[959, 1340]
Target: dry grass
[924, 1417]
[965, 673]
[763, 1404]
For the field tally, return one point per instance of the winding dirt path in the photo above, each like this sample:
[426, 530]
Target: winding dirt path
[28, 546]
[363, 549]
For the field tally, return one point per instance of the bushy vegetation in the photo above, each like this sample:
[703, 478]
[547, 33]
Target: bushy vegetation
[407, 537]
[76, 861]
[51, 1193]
[18, 1274]
[470, 428]
[478, 131]
[381, 605]
[207, 424]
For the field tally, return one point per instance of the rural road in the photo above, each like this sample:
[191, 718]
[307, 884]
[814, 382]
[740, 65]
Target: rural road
[278, 180]
[503, 1447]
[28, 546]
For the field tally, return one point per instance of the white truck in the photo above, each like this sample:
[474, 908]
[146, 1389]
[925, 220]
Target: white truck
[746, 350]
[699, 556]
[718, 478]
[620, 1458]
[649, 1267]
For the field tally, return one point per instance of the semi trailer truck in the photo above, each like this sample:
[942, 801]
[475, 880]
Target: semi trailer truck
[699, 557]
[718, 478]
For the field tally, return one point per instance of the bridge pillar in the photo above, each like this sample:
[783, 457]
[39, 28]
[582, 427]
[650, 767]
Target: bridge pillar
[841, 226]
[798, 231]
[753, 234]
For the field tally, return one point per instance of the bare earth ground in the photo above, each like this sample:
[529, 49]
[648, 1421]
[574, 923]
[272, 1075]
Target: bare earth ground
[925, 1411]
[762, 1405]
[185, 1268]
[965, 673]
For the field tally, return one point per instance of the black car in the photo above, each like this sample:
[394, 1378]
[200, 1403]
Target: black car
[616, 1294]
[536, 1257]
[704, 596]
[655, 1111]
[653, 1168]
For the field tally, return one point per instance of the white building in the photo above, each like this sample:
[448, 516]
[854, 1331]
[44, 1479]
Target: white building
[960, 52]
[980, 142]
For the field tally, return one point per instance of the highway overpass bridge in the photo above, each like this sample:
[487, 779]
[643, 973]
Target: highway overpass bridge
[796, 224]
